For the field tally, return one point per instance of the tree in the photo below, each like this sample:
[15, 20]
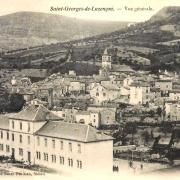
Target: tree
[152, 113]
[159, 111]
[3, 99]
[16, 102]
[120, 135]
[131, 128]
[146, 136]
[166, 127]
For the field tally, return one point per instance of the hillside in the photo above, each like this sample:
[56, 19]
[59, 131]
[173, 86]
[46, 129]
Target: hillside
[157, 40]
[24, 29]
[165, 23]
[163, 26]
[150, 45]
[167, 14]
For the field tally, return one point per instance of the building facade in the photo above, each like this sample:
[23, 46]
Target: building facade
[139, 93]
[39, 137]
[164, 85]
[107, 114]
[101, 93]
[88, 118]
[172, 109]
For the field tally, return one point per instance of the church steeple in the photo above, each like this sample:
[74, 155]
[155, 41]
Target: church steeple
[106, 60]
[105, 52]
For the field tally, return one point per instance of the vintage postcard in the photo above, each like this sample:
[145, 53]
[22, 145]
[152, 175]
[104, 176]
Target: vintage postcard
[89, 89]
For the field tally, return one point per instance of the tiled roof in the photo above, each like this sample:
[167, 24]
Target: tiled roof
[171, 101]
[121, 68]
[83, 113]
[164, 140]
[175, 91]
[100, 78]
[140, 84]
[154, 89]
[72, 131]
[164, 80]
[4, 122]
[105, 52]
[112, 106]
[111, 87]
[78, 105]
[34, 113]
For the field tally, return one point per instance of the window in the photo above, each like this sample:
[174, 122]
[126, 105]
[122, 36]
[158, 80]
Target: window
[62, 145]
[20, 151]
[7, 135]
[135, 95]
[63, 115]
[104, 94]
[20, 138]
[53, 143]
[1, 134]
[20, 125]
[45, 156]
[7, 148]
[70, 147]
[45, 142]
[1, 147]
[55, 96]
[38, 140]
[12, 124]
[29, 140]
[82, 121]
[53, 158]
[97, 94]
[38, 155]
[29, 128]
[79, 164]
[61, 160]
[79, 148]
[70, 162]
[12, 137]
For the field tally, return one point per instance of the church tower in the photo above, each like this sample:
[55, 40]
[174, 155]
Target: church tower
[106, 60]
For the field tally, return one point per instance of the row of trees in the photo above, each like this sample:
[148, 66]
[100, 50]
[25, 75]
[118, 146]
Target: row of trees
[147, 135]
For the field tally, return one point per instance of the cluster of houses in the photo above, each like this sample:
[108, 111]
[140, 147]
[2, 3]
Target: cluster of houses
[95, 99]
[59, 125]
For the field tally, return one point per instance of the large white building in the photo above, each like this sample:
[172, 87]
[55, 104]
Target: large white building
[39, 137]
[174, 95]
[89, 118]
[101, 93]
[139, 93]
[172, 109]
[164, 85]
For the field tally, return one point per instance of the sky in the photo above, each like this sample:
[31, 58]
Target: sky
[119, 10]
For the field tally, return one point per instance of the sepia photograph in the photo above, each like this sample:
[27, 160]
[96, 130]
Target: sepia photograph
[90, 89]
